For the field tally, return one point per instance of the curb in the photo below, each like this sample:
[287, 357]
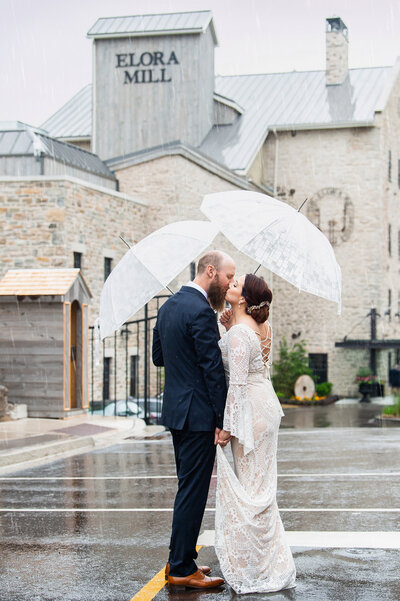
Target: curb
[30, 456]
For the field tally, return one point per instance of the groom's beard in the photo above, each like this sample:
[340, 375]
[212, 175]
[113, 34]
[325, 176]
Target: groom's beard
[216, 296]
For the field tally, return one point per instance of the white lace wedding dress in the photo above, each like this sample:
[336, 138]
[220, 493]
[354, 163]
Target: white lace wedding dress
[249, 535]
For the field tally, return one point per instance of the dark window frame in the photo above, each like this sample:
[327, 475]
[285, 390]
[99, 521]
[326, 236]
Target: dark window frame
[106, 378]
[77, 259]
[107, 267]
[318, 363]
[133, 375]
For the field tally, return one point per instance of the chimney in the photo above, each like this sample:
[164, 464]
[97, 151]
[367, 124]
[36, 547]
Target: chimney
[337, 47]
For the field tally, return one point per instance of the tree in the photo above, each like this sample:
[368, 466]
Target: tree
[292, 363]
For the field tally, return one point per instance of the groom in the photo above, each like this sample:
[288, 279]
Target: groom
[185, 342]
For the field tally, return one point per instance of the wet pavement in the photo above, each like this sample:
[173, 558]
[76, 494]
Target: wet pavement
[95, 526]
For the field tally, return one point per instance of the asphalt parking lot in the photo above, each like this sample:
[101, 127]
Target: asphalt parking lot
[96, 526]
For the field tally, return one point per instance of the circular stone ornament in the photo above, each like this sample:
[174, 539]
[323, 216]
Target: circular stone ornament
[304, 387]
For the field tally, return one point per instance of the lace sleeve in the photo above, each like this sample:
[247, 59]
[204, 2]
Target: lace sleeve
[237, 418]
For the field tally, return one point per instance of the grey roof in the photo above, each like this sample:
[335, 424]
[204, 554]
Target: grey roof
[297, 100]
[73, 119]
[30, 142]
[157, 24]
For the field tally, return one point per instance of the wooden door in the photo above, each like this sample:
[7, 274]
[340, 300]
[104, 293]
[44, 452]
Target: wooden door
[73, 356]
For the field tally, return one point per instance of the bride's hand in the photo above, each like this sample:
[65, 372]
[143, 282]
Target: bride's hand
[226, 318]
[223, 438]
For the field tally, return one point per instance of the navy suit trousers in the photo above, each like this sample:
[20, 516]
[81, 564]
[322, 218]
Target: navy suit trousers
[194, 457]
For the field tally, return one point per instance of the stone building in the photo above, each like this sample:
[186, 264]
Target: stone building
[166, 131]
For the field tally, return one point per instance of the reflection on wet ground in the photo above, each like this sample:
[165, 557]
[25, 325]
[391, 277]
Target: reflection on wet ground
[350, 414]
[68, 532]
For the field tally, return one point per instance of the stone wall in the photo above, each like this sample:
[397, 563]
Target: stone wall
[339, 170]
[43, 220]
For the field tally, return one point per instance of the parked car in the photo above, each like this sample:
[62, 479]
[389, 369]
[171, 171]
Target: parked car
[122, 409]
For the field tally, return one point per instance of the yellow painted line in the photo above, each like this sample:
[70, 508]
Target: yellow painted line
[150, 590]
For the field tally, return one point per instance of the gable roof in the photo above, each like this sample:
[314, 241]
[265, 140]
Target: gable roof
[74, 118]
[154, 24]
[39, 282]
[272, 101]
[292, 101]
[31, 142]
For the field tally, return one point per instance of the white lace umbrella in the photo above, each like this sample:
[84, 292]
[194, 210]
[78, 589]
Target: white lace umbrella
[278, 237]
[148, 267]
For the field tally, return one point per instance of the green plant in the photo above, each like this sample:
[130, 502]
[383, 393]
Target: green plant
[324, 388]
[365, 374]
[292, 363]
[393, 409]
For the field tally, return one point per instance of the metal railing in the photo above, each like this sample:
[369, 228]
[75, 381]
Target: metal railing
[126, 382]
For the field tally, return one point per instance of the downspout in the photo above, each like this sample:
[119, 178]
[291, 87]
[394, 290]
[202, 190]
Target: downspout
[276, 161]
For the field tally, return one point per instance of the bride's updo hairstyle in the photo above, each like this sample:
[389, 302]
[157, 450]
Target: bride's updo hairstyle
[257, 296]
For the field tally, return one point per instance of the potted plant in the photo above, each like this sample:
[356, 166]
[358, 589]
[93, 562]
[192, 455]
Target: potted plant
[368, 385]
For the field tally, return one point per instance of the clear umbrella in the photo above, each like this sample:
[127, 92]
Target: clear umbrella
[278, 237]
[148, 267]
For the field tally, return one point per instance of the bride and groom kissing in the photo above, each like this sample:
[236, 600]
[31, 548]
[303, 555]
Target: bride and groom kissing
[218, 390]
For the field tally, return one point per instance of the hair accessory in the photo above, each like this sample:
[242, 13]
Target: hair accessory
[253, 307]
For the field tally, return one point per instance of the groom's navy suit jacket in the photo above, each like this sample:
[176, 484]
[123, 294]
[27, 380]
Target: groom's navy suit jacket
[185, 342]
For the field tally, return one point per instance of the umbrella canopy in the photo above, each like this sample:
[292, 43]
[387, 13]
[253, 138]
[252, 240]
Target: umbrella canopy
[278, 237]
[148, 267]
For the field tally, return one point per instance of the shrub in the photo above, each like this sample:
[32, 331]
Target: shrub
[292, 363]
[393, 409]
[323, 389]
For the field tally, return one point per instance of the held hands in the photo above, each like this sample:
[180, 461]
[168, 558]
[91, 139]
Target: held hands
[226, 318]
[222, 437]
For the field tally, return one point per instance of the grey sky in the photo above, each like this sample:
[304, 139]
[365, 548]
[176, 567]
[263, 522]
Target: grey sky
[45, 56]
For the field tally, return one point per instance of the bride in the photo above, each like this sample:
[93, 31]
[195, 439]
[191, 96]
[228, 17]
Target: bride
[249, 535]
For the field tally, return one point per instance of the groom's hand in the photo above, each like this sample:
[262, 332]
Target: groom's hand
[216, 435]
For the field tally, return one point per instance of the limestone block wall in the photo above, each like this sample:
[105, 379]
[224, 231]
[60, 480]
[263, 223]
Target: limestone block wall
[174, 187]
[389, 323]
[43, 220]
[339, 171]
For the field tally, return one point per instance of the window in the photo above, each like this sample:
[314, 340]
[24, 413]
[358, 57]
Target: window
[390, 240]
[389, 309]
[106, 377]
[398, 173]
[133, 376]
[107, 267]
[398, 243]
[390, 165]
[193, 270]
[77, 260]
[318, 362]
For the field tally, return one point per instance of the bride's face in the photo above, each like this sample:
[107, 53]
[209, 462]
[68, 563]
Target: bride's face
[234, 293]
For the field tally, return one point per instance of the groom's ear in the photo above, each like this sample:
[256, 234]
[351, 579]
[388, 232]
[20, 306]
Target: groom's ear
[211, 271]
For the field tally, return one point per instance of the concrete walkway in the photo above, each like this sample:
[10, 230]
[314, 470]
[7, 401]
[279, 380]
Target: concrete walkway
[30, 441]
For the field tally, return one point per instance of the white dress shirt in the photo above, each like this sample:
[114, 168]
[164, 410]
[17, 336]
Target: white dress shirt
[199, 288]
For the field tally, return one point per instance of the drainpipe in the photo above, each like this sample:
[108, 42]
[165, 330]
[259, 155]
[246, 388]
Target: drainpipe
[276, 161]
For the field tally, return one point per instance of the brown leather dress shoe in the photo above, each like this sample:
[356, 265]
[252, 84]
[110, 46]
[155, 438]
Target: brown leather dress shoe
[196, 580]
[205, 569]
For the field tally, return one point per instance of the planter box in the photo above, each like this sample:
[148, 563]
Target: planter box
[368, 389]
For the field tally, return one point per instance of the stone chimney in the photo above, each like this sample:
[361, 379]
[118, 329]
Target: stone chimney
[337, 47]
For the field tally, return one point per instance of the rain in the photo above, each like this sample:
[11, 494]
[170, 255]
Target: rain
[115, 125]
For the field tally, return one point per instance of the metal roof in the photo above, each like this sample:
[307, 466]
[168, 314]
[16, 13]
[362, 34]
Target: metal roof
[37, 282]
[281, 101]
[73, 119]
[30, 142]
[296, 100]
[156, 24]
